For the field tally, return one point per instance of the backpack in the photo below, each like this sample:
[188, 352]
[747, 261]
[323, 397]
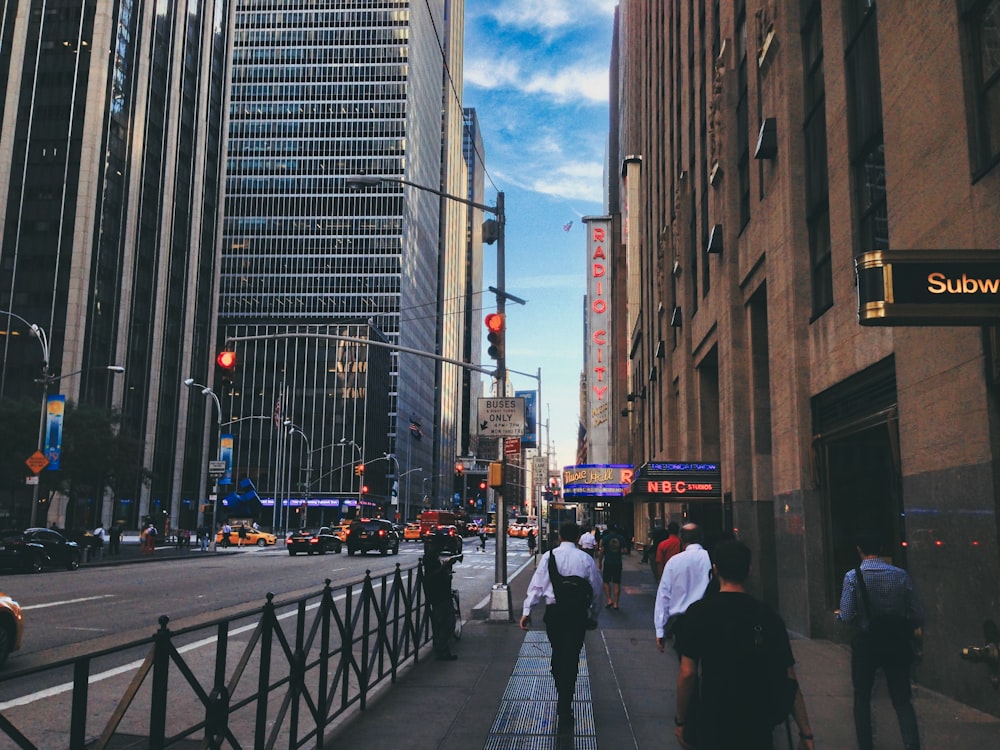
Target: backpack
[574, 594]
[777, 691]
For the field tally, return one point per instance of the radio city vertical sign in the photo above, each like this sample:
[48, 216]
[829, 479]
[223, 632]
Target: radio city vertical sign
[598, 333]
[929, 287]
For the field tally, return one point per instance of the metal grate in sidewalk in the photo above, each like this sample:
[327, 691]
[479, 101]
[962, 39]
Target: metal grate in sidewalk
[526, 719]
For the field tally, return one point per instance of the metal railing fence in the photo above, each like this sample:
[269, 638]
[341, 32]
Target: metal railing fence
[279, 675]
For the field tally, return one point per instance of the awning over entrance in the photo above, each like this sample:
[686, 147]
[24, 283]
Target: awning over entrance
[677, 482]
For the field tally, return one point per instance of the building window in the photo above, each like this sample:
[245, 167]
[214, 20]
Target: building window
[864, 112]
[817, 173]
[981, 19]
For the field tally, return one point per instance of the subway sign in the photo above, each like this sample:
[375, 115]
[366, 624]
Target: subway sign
[929, 287]
[677, 482]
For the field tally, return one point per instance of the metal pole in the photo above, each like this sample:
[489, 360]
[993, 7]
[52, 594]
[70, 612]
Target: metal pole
[500, 603]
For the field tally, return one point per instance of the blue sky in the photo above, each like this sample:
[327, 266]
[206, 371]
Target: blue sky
[536, 71]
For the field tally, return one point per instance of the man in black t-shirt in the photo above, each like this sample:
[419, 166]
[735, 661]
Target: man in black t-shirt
[737, 643]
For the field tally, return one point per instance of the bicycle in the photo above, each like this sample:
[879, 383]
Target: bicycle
[458, 614]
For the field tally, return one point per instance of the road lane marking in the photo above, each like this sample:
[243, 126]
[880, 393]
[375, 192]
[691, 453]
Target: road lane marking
[67, 601]
[132, 666]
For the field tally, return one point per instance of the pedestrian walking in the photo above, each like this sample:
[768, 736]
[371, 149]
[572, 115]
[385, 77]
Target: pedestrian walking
[736, 658]
[588, 542]
[437, 588]
[241, 534]
[149, 539]
[609, 560]
[684, 581]
[666, 549]
[656, 535]
[880, 601]
[203, 533]
[570, 610]
[114, 539]
[482, 539]
[531, 543]
[99, 534]
[226, 531]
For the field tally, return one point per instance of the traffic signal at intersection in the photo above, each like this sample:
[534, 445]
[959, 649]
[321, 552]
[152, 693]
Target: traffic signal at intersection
[496, 327]
[359, 470]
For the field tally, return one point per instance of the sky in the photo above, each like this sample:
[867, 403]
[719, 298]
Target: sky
[536, 71]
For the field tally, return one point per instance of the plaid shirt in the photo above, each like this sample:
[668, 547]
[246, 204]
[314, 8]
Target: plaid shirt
[890, 592]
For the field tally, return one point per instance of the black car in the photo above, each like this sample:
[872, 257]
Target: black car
[372, 534]
[450, 539]
[35, 549]
[318, 541]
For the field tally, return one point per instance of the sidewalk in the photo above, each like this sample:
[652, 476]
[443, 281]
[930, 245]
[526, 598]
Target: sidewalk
[457, 704]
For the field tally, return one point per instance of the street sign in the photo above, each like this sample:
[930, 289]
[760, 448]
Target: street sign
[501, 417]
[31, 480]
[216, 468]
[37, 461]
[512, 446]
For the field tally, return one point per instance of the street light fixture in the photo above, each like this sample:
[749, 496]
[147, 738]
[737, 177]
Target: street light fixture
[45, 380]
[493, 230]
[294, 429]
[206, 391]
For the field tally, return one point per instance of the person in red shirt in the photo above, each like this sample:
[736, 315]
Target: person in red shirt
[667, 548]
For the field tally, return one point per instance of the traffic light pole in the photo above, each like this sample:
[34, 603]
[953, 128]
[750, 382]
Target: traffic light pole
[500, 603]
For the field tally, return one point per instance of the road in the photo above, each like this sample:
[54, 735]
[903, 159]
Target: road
[72, 612]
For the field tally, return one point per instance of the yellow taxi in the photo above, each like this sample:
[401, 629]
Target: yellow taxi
[411, 532]
[340, 531]
[11, 627]
[253, 537]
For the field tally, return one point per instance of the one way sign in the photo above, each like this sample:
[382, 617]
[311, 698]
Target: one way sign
[501, 417]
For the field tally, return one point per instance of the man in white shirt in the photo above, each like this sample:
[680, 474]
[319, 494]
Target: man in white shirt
[588, 541]
[684, 580]
[565, 630]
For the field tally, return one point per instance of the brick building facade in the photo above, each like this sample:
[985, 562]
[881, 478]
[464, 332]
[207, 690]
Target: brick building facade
[761, 148]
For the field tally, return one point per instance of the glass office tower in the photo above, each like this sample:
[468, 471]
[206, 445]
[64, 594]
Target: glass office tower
[111, 124]
[322, 90]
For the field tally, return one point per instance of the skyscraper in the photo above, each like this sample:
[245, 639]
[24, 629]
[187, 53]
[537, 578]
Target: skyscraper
[109, 226]
[320, 92]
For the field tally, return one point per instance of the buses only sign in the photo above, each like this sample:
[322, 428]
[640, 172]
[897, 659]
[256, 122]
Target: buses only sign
[501, 417]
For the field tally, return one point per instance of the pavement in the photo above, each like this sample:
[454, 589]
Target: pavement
[498, 696]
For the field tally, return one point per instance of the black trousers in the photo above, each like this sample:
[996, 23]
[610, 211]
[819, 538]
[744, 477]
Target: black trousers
[566, 639]
[442, 622]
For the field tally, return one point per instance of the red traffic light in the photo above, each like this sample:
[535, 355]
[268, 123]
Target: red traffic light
[226, 360]
[494, 322]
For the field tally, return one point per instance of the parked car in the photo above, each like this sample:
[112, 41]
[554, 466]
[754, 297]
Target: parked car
[318, 541]
[411, 533]
[254, 536]
[32, 550]
[372, 534]
[11, 627]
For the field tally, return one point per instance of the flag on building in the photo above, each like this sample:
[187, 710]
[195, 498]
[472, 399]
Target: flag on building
[277, 413]
[567, 226]
[415, 430]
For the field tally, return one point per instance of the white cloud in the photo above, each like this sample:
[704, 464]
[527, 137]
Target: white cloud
[585, 82]
[549, 14]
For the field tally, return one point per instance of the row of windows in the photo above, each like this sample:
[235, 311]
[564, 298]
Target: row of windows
[299, 304]
[333, 56]
[305, 37]
[324, 111]
[322, 19]
[276, 129]
[288, 6]
[350, 88]
[282, 227]
[327, 92]
[327, 265]
[301, 283]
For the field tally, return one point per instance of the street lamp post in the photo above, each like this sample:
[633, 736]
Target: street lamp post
[294, 429]
[45, 379]
[206, 391]
[394, 487]
[500, 605]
